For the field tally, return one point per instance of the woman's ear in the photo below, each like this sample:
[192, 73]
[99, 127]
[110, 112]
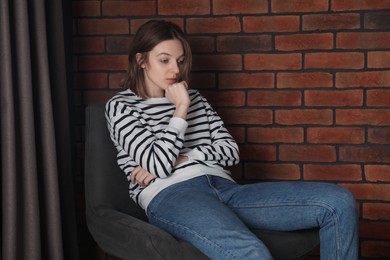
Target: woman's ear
[140, 60]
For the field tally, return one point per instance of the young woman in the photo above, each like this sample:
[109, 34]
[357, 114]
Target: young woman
[173, 148]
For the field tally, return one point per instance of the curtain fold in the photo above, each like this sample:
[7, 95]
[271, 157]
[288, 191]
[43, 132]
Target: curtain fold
[38, 216]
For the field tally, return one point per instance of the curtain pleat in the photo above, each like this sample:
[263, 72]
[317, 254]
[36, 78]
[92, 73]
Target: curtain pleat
[38, 220]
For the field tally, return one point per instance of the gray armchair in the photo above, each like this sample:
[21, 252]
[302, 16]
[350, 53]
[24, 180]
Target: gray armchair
[121, 228]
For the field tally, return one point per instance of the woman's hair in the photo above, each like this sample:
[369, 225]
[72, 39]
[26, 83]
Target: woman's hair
[147, 37]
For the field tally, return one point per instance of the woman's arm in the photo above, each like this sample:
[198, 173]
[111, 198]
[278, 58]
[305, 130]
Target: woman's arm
[128, 131]
[223, 148]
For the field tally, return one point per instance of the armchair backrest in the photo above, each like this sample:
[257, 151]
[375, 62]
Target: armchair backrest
[105, 183]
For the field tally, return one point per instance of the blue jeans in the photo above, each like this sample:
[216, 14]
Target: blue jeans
[216, 215]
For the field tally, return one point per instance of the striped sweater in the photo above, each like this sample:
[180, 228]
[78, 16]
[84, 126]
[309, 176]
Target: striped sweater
[145, 134]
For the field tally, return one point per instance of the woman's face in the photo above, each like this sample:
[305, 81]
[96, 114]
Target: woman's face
[163, 66]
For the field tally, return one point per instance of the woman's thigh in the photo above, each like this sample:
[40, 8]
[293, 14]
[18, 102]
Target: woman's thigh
[288, 205]
[193, 212]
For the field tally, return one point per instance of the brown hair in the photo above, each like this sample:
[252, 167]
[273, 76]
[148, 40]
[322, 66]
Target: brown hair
[147, 37]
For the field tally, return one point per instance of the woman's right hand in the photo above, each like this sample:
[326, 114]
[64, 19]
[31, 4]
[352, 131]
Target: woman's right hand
[178, 94]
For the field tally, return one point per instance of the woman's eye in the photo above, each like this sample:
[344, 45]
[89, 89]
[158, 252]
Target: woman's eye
[180, 61]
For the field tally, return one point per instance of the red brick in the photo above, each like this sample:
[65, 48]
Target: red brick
[378, 97]
[335, 135]
[314, 41]
[363, 117]
[300, 153]
[334, 60]
[135, 24]
[90, 80]
[228, 24]
[246, 116]
[100, 62]
[291, 61]
[128, 8]
[363, 40]
[244, 43]
[246, 80]
[218, 98]
[114, 80]
[377, 20]
[369, 191]
[180, 7]
[343, 172]
[304, 116]
[230, 62]
[274, 98]
[363, 79]
[118, 44]
[376, 230]
[97, 97]
[275, 135]
[311, 22]
[377, 173]
[202, 44]
[379, 135]
[258, 152]
[378, 59]
[270, 171]
[85, 8]
[304, 80]
[376, 249]
[298, 6]
[240, 6]
[88, 44]
[203, 80]
[376, 211]
[271, 23]
[332, 98]
[365, 154]
[349, 5]
[103, 26]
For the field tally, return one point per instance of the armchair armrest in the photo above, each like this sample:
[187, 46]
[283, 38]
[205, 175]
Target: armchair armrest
[127, 237]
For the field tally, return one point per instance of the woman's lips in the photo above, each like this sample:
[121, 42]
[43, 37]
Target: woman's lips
[171, 81]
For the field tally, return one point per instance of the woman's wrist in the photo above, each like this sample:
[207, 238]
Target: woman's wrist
[181, 111]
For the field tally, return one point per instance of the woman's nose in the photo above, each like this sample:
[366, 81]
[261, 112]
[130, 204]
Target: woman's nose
[175, 67]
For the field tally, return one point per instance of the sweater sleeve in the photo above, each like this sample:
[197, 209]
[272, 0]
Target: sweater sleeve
[131, 135]
[223, 148]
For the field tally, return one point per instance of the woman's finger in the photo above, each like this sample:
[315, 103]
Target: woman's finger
[134, 174]
[148, 180]
[145, 178]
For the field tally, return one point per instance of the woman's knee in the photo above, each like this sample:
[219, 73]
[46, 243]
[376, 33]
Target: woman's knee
[342, 201]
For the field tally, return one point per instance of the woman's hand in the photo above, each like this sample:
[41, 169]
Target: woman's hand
[178, 95]
[141, 176]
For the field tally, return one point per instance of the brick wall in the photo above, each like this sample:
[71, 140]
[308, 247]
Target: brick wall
[304, 87]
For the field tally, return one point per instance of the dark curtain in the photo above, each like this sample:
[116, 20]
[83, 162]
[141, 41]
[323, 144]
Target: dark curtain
[37, 212]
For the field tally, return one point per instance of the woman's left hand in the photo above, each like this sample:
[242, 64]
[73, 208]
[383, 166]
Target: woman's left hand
[141, 176]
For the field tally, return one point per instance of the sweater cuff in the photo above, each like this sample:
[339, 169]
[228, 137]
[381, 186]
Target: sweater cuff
[179, 124]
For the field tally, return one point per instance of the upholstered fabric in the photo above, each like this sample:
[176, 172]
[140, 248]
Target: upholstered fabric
[121, 228]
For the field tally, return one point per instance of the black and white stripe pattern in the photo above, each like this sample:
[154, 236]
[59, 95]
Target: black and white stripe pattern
[145, 133]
